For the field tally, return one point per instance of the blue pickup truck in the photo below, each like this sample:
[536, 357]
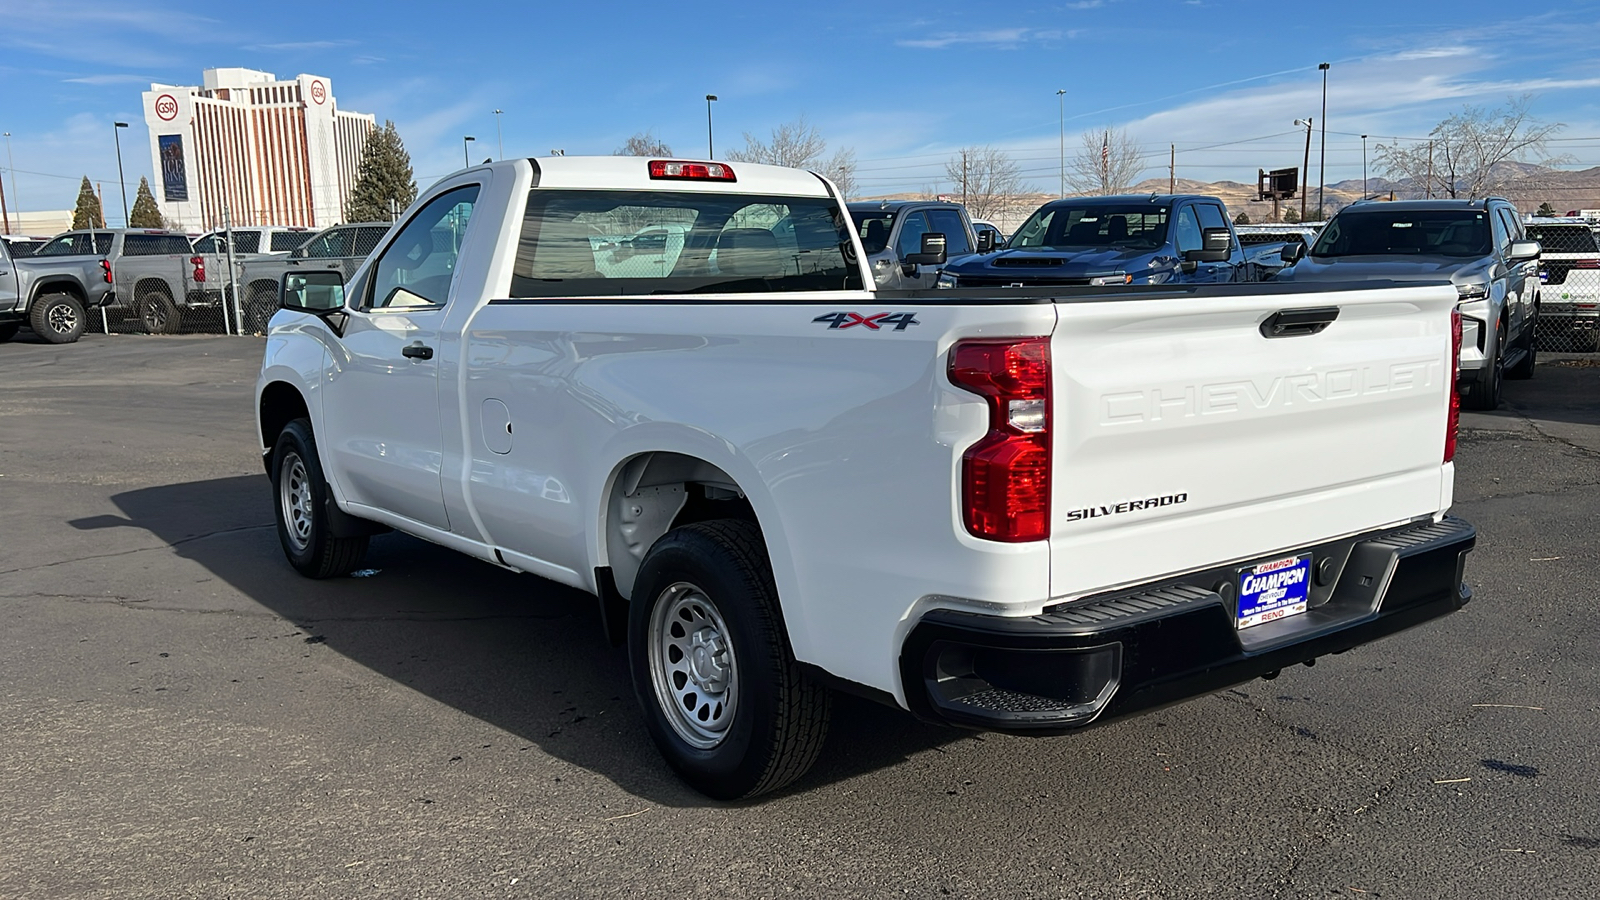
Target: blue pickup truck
[1137, 239]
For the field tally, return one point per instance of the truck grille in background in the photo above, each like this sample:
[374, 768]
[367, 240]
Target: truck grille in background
[1033, 281]
[1030, 261]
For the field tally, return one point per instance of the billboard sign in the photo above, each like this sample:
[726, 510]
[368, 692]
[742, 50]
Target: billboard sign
[174, 181]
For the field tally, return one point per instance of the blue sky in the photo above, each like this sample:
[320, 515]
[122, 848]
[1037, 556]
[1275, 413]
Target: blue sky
[904, 84]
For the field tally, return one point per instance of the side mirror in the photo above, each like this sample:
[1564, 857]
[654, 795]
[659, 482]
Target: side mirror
[933, 251]
[1523, 251]
[313, 291]
[1216, 245]
[1292, 252]
[986, 241]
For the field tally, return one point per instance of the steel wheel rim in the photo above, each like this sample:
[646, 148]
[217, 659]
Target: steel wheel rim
[63, 318]
[692, 665]
[294, 500]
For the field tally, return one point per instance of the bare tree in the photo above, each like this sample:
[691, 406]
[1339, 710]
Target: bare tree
[1474, 153]
[1109, 162]
[988, 179]
[644, 143]
[799, 145]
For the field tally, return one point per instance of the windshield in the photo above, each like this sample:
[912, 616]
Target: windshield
[874, 226]
[1401, 232]
[1564, 238]
[1132, 226]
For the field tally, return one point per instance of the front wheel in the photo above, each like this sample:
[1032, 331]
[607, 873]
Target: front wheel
[723, 698]
[302, 498]
[58, 318]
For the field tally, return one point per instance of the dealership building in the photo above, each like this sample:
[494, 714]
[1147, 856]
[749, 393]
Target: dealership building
[260, 150]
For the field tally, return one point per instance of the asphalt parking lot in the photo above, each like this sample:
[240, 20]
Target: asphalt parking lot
[183, 716]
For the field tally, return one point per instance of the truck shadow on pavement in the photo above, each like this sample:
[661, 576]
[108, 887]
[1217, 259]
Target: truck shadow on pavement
[516, 651]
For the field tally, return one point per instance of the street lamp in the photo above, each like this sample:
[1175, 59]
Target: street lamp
[116, 132]
[498, 135]
[1363, 167]
[710, 153]
[12, 164]
[1322, 164]
[1061, 112]
[1305, 168]
[466, 150]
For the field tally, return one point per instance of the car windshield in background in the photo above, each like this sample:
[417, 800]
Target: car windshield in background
[607, 243]
[1564, 238]
[1126, 226]
[874, 227]
[288, 240]
[1402, 232]
[77, 244]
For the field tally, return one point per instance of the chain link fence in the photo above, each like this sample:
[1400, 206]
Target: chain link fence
[1569, 290]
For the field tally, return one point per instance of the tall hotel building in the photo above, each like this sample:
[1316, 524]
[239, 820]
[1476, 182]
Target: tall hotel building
[267, 152]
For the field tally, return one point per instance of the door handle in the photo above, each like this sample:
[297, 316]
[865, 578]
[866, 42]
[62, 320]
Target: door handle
[1295, 322]
[417, 351]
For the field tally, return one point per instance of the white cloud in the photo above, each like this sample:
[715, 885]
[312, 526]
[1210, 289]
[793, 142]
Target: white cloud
[999, 37]
[111, 79]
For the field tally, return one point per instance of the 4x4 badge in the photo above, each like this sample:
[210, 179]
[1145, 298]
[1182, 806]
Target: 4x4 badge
[874, 322]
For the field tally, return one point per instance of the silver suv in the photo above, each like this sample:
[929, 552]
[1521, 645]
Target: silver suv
[1477, 245]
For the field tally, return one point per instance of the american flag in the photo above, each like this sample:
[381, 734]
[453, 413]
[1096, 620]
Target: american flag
[1105, 151]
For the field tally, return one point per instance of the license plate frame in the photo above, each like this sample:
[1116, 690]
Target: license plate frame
[1272, 591]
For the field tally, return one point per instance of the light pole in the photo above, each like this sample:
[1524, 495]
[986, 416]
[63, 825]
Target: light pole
[1061, 113]
[16, 203]
[710, 153]
[466, 153]
[116, 132]
[498, 135]
[1305, 168]
[1363, 167]
[1322, 164]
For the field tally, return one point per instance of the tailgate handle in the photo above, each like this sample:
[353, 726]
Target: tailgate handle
[1295, 322]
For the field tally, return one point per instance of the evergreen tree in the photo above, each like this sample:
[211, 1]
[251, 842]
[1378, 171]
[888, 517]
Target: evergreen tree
[1291, 215]
[146, 214]
[1242, 219]
[385, 175]
[87, 213]
[1545, 209]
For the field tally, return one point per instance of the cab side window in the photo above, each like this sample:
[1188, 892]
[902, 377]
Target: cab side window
[417, 267]
[1502, 237]
[912, 227]
[948, 223]
[1212, 216]
[1188, 230]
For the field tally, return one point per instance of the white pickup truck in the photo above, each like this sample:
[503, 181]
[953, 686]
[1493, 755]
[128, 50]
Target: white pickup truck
[670, 384]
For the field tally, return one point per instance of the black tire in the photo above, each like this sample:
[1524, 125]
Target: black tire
[260, 302]
[301, 495]
[1485, 392]
[9, 331]
[156, 312]
[1523, 370]
[766, 725]
[58, 318]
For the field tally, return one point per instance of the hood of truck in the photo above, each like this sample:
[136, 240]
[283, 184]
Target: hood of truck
[1182, 437]
[1062, 262]
[1383, 268]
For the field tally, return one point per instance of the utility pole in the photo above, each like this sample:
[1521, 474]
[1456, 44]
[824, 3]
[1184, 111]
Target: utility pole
[499, 135]
[1363, 167]
[710, 152]
[16, 197]
[116, 132]
[1172, 169]
[963, 178]
[1305, 168]
[1061, 112]
[1322, 164]
[4, 215]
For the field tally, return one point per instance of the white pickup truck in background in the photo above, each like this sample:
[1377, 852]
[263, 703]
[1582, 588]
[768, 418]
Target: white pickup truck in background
[670, 384]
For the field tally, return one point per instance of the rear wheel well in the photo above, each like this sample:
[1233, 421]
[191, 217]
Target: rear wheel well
[654, 493]
[152, 286]
[70, 288]
[280, 404]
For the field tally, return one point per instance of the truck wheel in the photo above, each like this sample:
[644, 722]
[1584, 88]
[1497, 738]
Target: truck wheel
[1485, 393]
[261, 301]
[302, 495]
[7, 332]
[58, 318]
[723, 698]
[156, 312]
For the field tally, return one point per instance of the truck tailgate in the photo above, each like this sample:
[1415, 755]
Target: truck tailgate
[1184, 438]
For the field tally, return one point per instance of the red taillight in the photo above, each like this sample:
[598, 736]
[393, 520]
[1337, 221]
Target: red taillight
[199, 263]
[1005, 477]
[694, 171]
[105, 270]
[1453, 422]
